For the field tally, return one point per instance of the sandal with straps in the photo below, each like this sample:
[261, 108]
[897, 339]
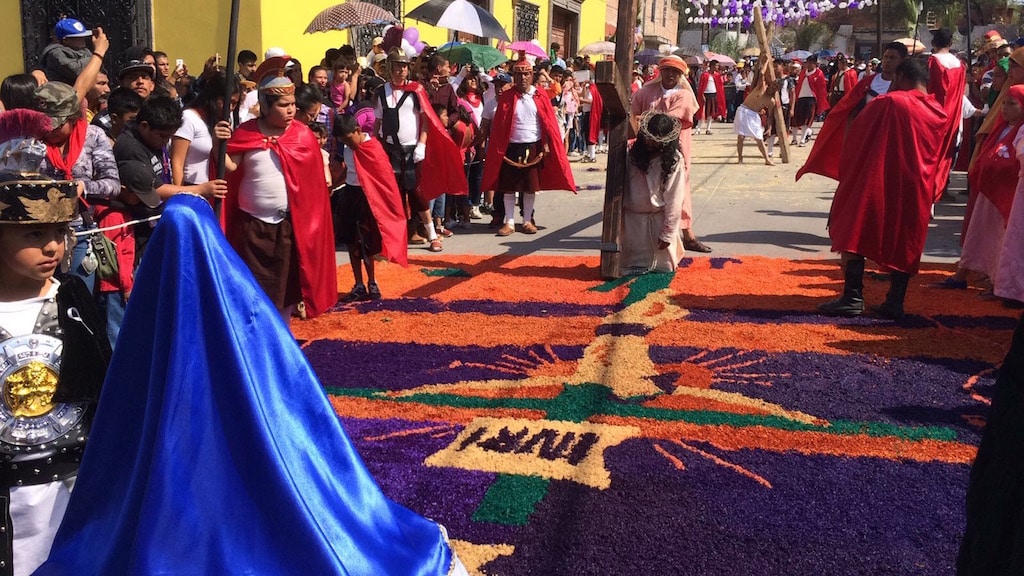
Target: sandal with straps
[435, 245]
[696, 245]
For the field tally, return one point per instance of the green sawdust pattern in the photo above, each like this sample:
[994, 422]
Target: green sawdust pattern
[596, 399]
[445, 272]
[639, 286]
[511, 499]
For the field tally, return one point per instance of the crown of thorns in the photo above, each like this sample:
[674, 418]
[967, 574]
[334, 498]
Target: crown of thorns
[645, 130]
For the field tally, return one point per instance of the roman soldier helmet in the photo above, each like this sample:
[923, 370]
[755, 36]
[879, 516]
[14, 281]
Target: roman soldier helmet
[397, 56]
[26, 196]
[271, 80]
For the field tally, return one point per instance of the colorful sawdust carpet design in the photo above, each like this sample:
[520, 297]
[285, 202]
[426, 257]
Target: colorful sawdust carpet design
[706, 422]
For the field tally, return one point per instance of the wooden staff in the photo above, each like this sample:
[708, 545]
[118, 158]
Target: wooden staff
[222, 146]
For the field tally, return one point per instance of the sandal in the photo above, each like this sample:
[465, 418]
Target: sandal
[696, 245]
[442, 231]
[435, 245]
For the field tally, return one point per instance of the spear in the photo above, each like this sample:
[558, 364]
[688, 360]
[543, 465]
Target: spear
[222, 146]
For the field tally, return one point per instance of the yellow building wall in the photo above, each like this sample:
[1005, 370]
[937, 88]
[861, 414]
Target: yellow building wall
[11, 57]
[593, 21]
[194, 30]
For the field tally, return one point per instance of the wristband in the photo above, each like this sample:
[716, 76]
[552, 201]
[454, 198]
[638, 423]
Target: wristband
[95, 53]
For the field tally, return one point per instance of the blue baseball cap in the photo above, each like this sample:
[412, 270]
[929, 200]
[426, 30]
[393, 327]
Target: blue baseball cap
[70, 28]
[502, 77]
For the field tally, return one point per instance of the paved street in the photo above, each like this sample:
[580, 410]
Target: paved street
[738, 209]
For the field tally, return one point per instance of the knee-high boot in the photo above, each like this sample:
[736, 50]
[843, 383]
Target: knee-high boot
[892, 308]
[851, 303]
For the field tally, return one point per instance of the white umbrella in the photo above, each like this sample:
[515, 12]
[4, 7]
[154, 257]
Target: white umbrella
[459, 15]
[602, 48]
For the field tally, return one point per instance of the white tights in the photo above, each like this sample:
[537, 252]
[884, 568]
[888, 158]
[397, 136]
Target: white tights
[510, 206]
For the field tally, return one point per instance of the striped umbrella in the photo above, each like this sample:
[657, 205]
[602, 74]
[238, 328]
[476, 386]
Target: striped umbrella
[461, 16]
[352, 13]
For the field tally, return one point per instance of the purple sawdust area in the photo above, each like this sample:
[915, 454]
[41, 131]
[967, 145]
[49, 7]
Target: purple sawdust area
[488, 307]
[402, 366]
[818, 514]
[822, 515]
[856, 387]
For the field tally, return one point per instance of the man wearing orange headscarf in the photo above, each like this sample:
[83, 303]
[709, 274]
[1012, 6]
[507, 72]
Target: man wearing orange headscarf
[670, 93]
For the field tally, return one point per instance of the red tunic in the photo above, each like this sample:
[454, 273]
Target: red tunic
[596, 110]
[308, 201]
[719, 95]
[555, 173]
[818, 88]
[378, 183]
[883, 203]
[947, 85]
[828, 146]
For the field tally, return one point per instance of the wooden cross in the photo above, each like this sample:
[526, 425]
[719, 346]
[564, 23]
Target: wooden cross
[764, 38]
[612, 79]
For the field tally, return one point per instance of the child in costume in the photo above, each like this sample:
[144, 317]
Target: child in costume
[372, 216]
[53, 349]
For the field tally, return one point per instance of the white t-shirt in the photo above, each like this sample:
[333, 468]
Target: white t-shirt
[805, 89]
[262, 190]
[408, 119]
[251, 99]
[947, 60]
[711, 87]
[36, 511]
[526, 124]
[197, 159]
[351, 176]
[879, 85]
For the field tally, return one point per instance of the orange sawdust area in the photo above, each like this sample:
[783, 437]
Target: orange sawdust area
[721, 285]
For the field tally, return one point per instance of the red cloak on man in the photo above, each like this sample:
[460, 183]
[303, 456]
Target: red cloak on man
[596, 111]
[555, 173]
[377, 180]
[847, 80]
[827, 151]
[947, 85]
[706, 77]
[442, 161]
[308, 202]
[819, 87]
[882, 206]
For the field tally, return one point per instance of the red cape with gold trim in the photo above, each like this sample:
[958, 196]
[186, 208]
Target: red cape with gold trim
[442, 161]
[947, 85]
[308, 202]
[719, 95]
[818, 87]
[882, 206]
[377, 179]
[554, 175]
[828, 145]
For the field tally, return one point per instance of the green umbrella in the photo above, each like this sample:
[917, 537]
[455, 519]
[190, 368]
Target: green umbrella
[486, 57]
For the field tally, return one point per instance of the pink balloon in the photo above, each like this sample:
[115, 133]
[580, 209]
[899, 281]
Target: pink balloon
[419, 45]
[412, 35]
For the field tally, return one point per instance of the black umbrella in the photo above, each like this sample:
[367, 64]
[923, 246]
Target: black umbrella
[459, 15]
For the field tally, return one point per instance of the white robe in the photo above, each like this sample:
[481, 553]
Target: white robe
[651, 213]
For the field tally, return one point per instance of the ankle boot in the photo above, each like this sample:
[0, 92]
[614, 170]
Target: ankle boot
[892, 308]
[851, 303]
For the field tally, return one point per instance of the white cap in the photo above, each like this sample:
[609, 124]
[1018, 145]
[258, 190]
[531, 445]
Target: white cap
[274, 53]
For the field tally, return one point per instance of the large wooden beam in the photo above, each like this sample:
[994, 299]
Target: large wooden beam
[612, 80]
[764, 39]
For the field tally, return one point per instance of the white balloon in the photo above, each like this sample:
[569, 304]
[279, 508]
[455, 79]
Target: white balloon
[409, 49]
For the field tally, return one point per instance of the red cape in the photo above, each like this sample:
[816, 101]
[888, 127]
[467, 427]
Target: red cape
[554, 175]
[947, 85]
[994, 174]
[882, 206]
[848, 79]
[828, 145]
[377, 179]
[818, 87]
[442, 161]
[596, 110]
[719, 95]
[308, 202]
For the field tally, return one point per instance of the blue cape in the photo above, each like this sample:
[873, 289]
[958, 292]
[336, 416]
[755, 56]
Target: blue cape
[214, 449]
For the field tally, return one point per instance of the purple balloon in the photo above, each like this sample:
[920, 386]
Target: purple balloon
[419, 45]
[411, 34]
[714, 22]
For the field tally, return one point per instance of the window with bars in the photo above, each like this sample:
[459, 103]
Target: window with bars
[527, 21]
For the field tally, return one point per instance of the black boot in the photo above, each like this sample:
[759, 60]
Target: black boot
[851, 303]
[892, 308]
